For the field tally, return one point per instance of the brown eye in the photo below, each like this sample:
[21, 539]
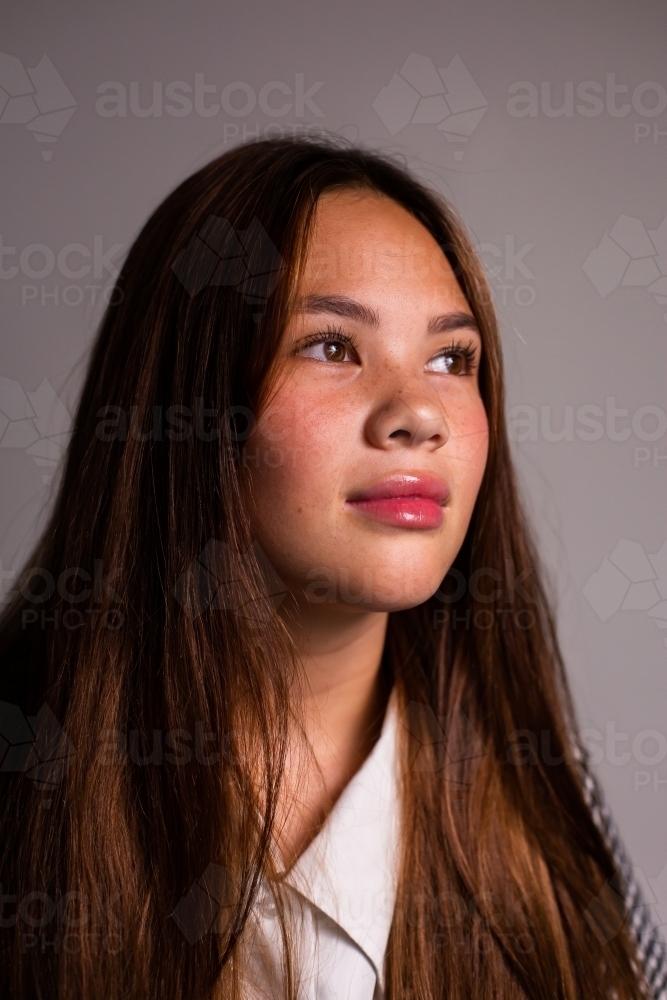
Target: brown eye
[455, 364]
[331, 349]
[449, 364]
[457, 360]
[334, 350]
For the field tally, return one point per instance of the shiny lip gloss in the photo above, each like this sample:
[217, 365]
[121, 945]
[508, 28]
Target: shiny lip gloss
[404, 501]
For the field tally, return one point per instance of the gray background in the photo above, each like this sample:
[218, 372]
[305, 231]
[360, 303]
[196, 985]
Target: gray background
[574, 333]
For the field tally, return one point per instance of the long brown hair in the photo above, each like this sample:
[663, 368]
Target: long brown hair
[133, 858]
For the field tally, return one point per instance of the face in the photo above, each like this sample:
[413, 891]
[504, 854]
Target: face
[366, 460]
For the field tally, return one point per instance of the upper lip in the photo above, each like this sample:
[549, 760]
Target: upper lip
[427, 487]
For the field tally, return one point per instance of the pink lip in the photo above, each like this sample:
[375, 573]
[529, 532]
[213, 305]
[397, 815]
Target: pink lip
[404, 501]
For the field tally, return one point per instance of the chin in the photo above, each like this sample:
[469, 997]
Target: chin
[375, 585]
[402, 602]
[409, 576]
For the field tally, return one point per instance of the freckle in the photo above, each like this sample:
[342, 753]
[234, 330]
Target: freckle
[299, 510]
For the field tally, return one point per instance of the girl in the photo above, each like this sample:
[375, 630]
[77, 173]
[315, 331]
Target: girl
[287, 711]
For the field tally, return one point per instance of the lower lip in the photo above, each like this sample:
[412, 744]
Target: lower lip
[402, 512]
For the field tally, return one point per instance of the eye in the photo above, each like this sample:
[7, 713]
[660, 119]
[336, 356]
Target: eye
[458, 359]
[333, 346]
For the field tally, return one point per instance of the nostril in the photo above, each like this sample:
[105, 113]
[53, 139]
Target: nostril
[406, 423]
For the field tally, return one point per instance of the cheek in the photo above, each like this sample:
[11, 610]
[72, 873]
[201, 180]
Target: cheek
[468, 445]
[299, 447]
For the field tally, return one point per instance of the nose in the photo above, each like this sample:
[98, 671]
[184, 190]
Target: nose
[408, 421]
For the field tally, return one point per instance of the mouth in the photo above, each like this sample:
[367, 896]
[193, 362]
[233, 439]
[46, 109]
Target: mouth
[404, 501]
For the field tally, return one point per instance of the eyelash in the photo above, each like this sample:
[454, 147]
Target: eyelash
[334, 334]
[467, 351]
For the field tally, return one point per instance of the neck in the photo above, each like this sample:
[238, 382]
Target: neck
[341, 703]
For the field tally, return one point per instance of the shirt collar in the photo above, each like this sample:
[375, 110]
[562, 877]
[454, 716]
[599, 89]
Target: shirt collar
[349, 870]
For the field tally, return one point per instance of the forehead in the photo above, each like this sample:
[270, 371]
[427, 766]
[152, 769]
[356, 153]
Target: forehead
[365, 240]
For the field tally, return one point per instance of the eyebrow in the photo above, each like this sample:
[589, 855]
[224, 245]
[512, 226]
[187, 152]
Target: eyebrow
[453, 321]
[340, 305]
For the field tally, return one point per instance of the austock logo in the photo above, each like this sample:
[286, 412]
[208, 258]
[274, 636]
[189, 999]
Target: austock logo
[630, 256]
[653, 899]
[36, 98]
[37, 422]
[36, 745]
[449, 745]
[198, 913]
[244, 259]
[212, 582]
[630, 580]
[178, 99]
[588, 99]
[420, 94]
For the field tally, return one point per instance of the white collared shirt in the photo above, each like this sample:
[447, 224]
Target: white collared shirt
[340, 894]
